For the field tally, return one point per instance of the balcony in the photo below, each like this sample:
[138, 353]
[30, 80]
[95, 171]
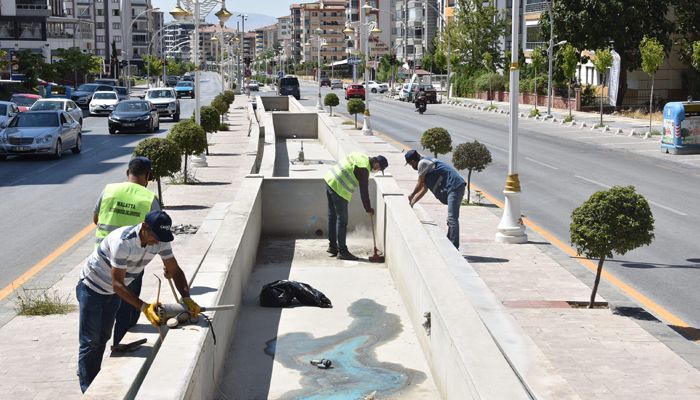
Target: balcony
[535, 45]
[33, 8]
[536, 7]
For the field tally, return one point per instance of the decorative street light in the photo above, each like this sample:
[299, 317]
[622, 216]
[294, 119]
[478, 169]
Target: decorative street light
[319, 43]
[128, 35]
[550, 51]
[243, 18]
[511, 228]
[366, 28]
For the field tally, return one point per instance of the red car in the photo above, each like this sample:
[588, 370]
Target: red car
[24, 100]
[355, 91]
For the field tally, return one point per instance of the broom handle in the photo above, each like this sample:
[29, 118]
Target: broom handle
[374, 239]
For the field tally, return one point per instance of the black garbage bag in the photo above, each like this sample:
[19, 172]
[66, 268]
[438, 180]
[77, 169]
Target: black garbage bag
[285, 293]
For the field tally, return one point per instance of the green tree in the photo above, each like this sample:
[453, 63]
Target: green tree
[614, 220]
[695, 57]
[687, 24]
[472, 156]
[594, 24]
[356, 106]
[537, 60]
[29, 64]
[477, 28]
[152, 64]
[436, 141]
[220, 105]
[602, 60]
[570, 58]
[164, 155]
[331, 100]
[173, 67]
[230, 96]
[190, 139]
[653, 56]
[209, 119]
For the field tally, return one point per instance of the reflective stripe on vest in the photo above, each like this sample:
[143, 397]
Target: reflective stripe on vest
[122, 204]
[341, 178]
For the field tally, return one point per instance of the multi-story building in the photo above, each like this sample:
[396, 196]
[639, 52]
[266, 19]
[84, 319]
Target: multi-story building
[66, 29]
[381, 17]
[177, 41]
[284, 36]
[296, 43]
[259, 40]
[208, 49]
[23, 26]
[416, 26]
[248, 54]
[329, 17]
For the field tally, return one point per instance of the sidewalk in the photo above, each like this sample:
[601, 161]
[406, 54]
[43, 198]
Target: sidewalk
[600, 353]
[40, 353]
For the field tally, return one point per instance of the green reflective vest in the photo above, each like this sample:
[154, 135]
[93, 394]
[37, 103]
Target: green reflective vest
[341, 178]
[122, 204]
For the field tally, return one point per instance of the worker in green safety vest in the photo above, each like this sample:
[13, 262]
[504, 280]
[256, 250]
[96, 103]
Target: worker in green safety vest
[341, 182]
[126, 204]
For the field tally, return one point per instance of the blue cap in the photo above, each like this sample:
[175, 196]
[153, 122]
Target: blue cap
[411, 155]
[161, 225]
[383, 163]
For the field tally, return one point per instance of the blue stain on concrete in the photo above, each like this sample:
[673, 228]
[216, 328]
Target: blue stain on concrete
[355, 372]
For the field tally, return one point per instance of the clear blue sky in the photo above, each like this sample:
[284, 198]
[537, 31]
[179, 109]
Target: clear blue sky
[273, 8]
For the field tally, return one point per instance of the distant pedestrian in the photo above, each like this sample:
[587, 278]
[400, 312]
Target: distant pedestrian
[104, 285]
[446, 184]
[341, 181]
[126, 204]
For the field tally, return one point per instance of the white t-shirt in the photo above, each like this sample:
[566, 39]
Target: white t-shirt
[425, 166]
[120, 249]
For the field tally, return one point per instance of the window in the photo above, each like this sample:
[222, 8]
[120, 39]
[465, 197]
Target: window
[100, 38]
[100, 25]
[116, 25]
[118, 39]
[115, 13]
[100, 12]
[69, 11]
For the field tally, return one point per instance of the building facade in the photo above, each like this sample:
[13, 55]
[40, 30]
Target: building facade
[177, 42]
[284, 36]
[324, 20]
[416, 25]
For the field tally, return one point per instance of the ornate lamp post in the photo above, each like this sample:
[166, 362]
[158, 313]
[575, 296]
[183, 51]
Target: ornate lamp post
[128, 35]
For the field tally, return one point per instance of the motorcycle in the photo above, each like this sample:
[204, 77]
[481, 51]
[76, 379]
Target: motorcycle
[421, 105]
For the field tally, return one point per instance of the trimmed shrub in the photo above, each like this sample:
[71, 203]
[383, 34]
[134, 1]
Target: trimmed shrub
[165, 156]
[472, 156]
[331, 100]
[356, 106]
[437, 141]
[220, 105]
[230, 96]
[209, 118]
[190, 138]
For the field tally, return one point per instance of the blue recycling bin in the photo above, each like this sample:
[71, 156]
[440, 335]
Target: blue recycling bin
[681, 129]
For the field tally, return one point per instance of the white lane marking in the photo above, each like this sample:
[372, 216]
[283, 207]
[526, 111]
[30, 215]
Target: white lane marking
[88, 149]
[592, 181]
[669, 209]
[540, 163]
[16, 181]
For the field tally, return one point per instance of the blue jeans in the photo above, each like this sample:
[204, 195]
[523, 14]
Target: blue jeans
[454, 202]
[97, 313]
[127, 315]
[337, 219]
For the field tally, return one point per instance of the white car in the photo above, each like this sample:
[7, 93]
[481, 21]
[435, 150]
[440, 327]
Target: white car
[403, 92]
[253, 86]
[376, 87]
[59, 105]
[103, 102]
[165, 100]
[8, 110]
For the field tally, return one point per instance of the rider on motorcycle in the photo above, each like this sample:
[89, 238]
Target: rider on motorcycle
[421, 99]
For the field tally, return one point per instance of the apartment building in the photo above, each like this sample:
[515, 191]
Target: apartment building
[23, 25]
[284, 36]
[329, 17]
[248, 54]
[66, 29]
[416, 26]
[176, 40]
[208, 49]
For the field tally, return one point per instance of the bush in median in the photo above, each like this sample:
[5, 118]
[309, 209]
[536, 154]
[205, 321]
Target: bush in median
[230, 96]
[331, 100]
[472, 156]
[437, 141]
[164, 155]
[209, 119]
[220, 105]
[356, 106]
[190, 138]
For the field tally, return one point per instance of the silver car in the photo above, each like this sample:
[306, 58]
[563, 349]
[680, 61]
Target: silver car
[59, 105]
[41, 132]
[8, 110]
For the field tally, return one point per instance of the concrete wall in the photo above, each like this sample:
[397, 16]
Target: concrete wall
[298, 207]
[273, 103]
[303, 125]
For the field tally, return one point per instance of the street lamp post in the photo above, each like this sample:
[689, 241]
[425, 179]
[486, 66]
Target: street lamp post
[241, 32]
[128, 35]
[319, 42]
[511, 228]
[550, 54]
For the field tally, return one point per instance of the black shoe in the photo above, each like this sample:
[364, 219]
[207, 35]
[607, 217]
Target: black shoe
[346, 255]
[332, 250]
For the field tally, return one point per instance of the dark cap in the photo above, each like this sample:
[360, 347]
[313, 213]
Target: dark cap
[411, 155]
[140, 166]
[161, 225]
[383, 163]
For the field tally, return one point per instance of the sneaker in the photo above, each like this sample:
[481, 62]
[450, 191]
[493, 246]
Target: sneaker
[346, 255]
[332, 250]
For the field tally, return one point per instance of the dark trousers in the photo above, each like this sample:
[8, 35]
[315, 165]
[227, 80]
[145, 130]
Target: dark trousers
[127, 315]
[97, 313]
[454, 202]
[337, 219]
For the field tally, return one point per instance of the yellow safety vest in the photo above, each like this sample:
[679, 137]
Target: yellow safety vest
[341, 178]
[122, 204]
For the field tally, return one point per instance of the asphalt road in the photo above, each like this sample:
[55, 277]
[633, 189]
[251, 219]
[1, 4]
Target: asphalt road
[45, 202]
[557, 174]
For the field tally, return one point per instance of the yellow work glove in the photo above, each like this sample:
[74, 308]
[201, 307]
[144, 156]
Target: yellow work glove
[192, 306]
[150, 311]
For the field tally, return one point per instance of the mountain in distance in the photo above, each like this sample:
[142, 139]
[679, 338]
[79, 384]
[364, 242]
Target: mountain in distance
[254, 21]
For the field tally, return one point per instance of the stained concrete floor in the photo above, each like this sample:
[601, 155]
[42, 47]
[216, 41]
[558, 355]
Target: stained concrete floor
[367, 334]
[317, 160]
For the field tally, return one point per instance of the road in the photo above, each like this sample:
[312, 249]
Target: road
[46, 202]
[558, 174]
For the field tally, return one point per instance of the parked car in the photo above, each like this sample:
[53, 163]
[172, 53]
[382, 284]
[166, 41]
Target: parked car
[376, 87]
[41, 132]
[430, 92]
[59, 105]
[122, 92]
[107, 81]
[184, 88]
[253, 86]
[165, 101]
[336, 84]
[7, 111]
[404, 93]
[172, 80]
[24, 100]
[134, 116]
[103, 102]
[289, 86]
[83, 96]
[325, 81]
[187, 78]
[355, 91]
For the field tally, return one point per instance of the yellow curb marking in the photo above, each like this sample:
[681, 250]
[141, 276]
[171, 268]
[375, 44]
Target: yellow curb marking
[649, 304]
[36, 268]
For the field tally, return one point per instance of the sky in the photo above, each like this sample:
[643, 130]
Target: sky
[272, 8]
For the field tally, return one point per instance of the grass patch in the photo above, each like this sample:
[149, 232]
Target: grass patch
[534, 112]
[491, 107]
[568, 119]
[640, 114]
[42, 302]
[348, 123]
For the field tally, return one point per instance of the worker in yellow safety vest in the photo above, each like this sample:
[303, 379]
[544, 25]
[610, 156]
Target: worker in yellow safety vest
[126, 204]
[341, 182]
